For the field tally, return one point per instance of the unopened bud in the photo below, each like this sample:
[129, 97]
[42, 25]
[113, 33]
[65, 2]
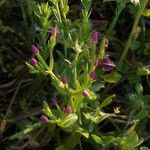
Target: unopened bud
[54, 32]
[43, 118]
[92, 75]
[35, 50]
[68, 109]
[63, 79]
[33, 61]
[85, 93]
[95, 37]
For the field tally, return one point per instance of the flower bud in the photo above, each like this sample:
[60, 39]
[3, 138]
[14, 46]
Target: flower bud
[54, 32]
[33, 61]
[95, 37]
[68, 109]
[63, 79]
[107, 64]
[35, 50]
[85, 93]
[96, 63]
[44, 118]
[54, 102]
[92, 75]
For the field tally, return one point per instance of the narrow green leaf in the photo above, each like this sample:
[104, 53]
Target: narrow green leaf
[146, 12]
[142, 114]
[68, 121]
[101, 52]
[25, 131]
[139, 89]
[107, 101]
[107, 139]
[83, 132]
[46, 109]
[143, 71]
[144, 148]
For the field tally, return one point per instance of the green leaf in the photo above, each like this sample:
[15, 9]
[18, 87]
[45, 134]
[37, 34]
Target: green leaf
[133, 140]
[112, 77]
[142, 114]
[97, 139]
[96, 117]
[83, 132]
[72, 141]
[139, 89]
[143, 71]
[46, 109]
[25, 131]
[146, 99]
[76, 102]
[107, 101]
[68, 121]
[146, 13]
[144, 148]
[92, 96]
[2, 2]
[31, 68]
[61, 147]
[101, 52]
[107, 139]
[96, 87]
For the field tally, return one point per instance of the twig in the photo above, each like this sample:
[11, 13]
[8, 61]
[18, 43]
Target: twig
[128, 44]
[13, 99]
[33, 137]
[14, 96]
[6, 85]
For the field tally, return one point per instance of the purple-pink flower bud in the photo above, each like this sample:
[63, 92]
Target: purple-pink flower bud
[44, 118]
[54, 32]
[68, 109]
[92, 75]
[85, 93]
[95, 37]
[33, 61]
[107, 64]
[96, 63]
[35, 50]
[63, 79]
[54, 102]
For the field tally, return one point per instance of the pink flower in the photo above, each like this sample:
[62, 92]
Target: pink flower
[85, 93]
[68, 109]
[44, 118]
[54, 32]
[33, 61]
[92, 75]
[107, 64]
[95, 37]
[63, 79]
[35, 50]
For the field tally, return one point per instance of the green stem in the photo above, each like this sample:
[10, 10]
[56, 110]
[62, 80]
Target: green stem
[126, 49]
[113, 23]
[62, 6]
[57, 83]
[58, 11]
[40, 58]
[51, 64]
[75, 67]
